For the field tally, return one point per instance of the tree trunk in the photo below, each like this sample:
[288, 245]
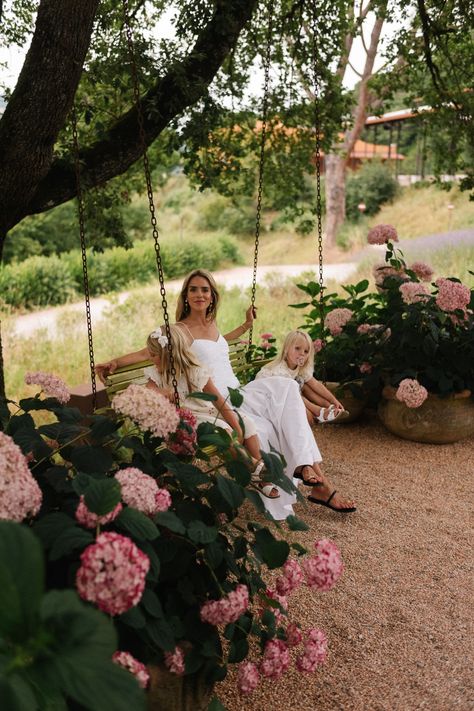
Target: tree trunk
[335, 182]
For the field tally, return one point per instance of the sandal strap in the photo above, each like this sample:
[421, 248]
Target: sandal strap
[328, 501]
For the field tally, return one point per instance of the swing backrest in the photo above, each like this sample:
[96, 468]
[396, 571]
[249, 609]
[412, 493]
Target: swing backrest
[128, 374]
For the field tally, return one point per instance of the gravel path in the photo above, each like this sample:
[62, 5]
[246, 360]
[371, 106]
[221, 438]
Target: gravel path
[399, 621]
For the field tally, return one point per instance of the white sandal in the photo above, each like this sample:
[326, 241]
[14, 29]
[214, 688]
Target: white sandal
[264, 489]
[332, 414]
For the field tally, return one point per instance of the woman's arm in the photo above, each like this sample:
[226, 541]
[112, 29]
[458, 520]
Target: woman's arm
[223, 409]
[109, 367]
[250, 316]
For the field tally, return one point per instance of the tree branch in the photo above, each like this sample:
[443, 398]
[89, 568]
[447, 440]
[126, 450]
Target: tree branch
[182, 86]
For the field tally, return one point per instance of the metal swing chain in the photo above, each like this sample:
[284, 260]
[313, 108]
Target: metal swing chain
[151, 204]
[82, 234]
[263, 136]
[317, 127]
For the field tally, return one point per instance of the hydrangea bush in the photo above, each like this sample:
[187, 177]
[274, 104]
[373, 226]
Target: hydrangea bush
[162, 546]
[413, 335]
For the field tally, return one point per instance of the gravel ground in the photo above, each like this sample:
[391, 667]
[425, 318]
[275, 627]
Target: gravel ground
[399, 621]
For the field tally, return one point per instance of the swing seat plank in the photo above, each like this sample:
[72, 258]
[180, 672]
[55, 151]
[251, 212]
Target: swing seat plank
[128, 374]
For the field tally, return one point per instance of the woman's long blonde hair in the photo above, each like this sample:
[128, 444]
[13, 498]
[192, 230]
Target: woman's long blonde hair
[182, 309]
[306, 371]
[183, 358]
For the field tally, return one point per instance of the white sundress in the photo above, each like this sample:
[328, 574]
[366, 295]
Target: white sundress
[275, 406]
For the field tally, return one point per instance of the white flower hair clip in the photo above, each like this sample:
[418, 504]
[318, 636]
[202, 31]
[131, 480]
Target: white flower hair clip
[162, 339]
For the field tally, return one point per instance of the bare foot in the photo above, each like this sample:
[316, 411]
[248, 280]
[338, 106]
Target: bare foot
[308, 475]
[327, 495]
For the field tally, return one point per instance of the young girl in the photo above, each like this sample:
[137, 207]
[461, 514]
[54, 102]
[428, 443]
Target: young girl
[191, 377]
[297, 361]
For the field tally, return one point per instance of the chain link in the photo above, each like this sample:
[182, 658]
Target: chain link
[82, 234]
[261, 165]
[151, 204]
[317, 128]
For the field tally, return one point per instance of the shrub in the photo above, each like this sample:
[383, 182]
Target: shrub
[47, 281]
[373, 185]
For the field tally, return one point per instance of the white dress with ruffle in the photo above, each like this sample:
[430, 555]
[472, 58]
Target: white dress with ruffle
[275, 406]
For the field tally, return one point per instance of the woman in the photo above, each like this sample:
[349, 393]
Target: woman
[274, 404]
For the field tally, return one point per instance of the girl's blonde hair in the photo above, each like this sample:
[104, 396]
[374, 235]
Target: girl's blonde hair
[306, 371]
[182, 307]
[183, 358]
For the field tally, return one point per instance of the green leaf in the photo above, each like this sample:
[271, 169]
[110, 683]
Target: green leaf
[231, 492]
[137, 524]
[215, 705]
[200, 533]
[84, 641]
[161, 634]
[203, 396]
[134, 618]
[63, 432]
[238, 651]
[169, 520]
[296, 524]
[71, 539]
[103, 427]
[151, 603]
[273, 552]
[256, 500]
[49, 528]
[102, 495]
[16, 694]
[214, 554]
[21, 581]
[301, 550]
[91, 460]
[236, 397]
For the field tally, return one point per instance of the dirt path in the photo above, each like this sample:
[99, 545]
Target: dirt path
[399, 621]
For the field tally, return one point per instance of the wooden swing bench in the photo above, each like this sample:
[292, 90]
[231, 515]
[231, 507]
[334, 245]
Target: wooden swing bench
[128, 374]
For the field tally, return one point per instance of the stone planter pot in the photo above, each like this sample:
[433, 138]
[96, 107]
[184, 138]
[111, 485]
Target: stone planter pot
[354, 405]
[437, 421]
[169, 692]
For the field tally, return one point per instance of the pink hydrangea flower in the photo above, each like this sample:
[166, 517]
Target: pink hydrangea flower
[132, 665]
[325, 568]
[281, 599]
[294, 635]
[276, 659]
[50, 384]
[88, 519]
[184, 440]
[413, 292]
[452, 295]
[382, 271]
[364, 328]
[141, 491]
[248, 677]
[365, 367]
[317, 345]
[381, 234]
[423, 271]
[315, 651]
[266, 336]
[20, 495]
[112, 573]
[227, 609]
[150, 410]
[174, 661]
[411, 393]
[291, 579]
[336, 320]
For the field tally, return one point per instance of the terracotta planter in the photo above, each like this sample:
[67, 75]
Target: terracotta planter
[169, 692]
[437, 421]
[354, 405]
